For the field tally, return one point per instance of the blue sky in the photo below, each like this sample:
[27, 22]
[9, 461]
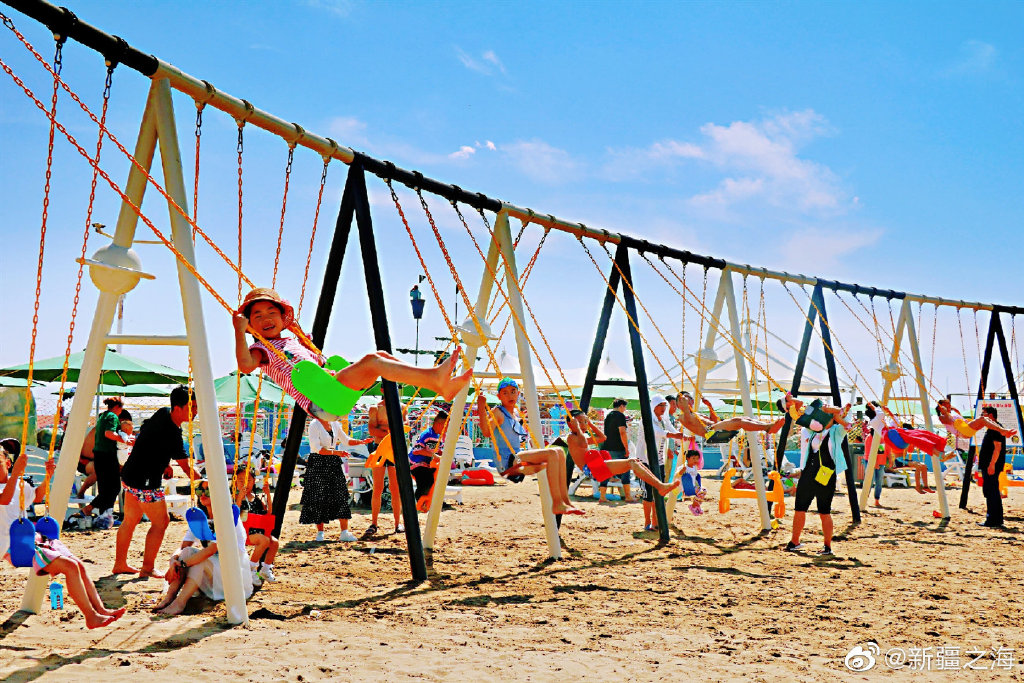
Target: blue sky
[870, 142]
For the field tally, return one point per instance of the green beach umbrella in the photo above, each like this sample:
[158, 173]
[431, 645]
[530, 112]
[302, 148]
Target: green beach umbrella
[131, 390]
[226, 389]
[118, 370]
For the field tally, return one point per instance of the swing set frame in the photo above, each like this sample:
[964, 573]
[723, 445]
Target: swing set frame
[158, 128]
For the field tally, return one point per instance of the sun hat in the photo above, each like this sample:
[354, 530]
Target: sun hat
[267, 294]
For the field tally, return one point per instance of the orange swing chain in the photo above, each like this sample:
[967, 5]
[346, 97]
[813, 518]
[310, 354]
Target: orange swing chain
[284, 206]
[81, 267]
[57, 64]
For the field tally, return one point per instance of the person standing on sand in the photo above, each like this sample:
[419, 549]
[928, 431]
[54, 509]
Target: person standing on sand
[159, 442]
[992, 461]
[616, 442]
[817, 460]
[377, 425]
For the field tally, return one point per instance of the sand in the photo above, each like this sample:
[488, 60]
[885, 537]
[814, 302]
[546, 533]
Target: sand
[718, 602]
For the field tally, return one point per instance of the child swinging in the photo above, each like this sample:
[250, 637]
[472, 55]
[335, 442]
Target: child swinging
[289, 360]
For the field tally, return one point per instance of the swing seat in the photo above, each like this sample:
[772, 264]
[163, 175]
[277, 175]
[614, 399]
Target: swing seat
[199, 523]
[720, 437]
[48, 528]
[896, 440]
[478, 477]
[23, 542]
[319, 386]
[383, 455]
[263, 524]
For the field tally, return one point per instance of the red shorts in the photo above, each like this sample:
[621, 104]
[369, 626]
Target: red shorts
[595, 463]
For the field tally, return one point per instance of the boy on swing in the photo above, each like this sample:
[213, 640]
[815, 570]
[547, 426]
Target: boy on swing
[577, 446]
[500, 425]
[702, 426]
[265, 312]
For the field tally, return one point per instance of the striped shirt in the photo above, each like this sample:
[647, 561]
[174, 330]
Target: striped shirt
[280, 370]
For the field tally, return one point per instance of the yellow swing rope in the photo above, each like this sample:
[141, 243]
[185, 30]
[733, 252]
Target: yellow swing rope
[149, 178]
[78, 284]
[39, 276]
[440, 302]
[526, 303]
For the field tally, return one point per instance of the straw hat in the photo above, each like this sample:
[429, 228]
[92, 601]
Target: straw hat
[267, 294]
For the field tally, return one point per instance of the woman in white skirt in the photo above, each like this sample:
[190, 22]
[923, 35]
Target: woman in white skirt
[195, 567]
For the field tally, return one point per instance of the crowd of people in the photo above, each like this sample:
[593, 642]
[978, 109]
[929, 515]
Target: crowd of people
[119, 460]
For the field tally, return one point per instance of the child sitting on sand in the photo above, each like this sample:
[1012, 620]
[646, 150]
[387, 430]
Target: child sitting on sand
[691, 483]
[265, 312]
[51, 557]
[195, 568]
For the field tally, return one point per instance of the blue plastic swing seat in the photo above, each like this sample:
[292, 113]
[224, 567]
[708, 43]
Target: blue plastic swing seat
[23, 542]
[199, 523]
[48, 528]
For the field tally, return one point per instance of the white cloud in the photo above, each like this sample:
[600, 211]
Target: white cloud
[490, 56]
[487, 63]
[542, 162]
[339, 8]
[795, 249]
[464, 152]
[490, 145]
[975, 58]
[760, 161]
[348, 130]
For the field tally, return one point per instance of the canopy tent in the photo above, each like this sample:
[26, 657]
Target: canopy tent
[131, 390]
[761, 402]
[118, 370]
[227, 390]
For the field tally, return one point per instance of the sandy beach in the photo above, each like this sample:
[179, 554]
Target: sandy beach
[719, 602]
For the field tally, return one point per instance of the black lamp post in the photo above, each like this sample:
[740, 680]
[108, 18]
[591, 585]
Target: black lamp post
[417, 301]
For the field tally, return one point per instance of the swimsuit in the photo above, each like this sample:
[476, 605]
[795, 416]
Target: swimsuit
[963, 426]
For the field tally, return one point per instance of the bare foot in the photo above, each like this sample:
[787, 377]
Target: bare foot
[151, 574]
[777, 425]
[124, 569]
[171, 609]
[99, 621]
[512, 471]
[561, 509]
[665, 489]
[878, 504]
[454, 385]
[112, 612]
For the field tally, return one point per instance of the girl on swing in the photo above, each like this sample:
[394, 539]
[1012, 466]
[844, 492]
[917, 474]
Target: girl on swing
[500, 425]
[817, 415]
[954, 421]
[264, 311]
[51, 557]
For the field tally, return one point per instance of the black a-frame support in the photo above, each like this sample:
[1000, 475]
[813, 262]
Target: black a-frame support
[818, 305]
[995, 332]
[354, 202]
[621, 264]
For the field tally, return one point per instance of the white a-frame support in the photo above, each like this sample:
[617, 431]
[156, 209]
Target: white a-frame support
[116, 270]
[500, 248]
[889, 375]
[726, 297]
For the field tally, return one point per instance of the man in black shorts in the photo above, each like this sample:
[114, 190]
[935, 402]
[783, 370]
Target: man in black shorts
[991, 461]
[809, 488]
